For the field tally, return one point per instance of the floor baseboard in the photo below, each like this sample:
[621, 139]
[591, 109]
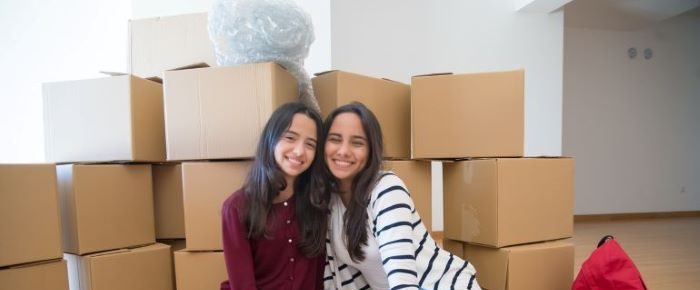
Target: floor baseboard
[634, 216]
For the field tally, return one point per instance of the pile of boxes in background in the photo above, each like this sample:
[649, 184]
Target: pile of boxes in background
[508, 215]
[144, 168]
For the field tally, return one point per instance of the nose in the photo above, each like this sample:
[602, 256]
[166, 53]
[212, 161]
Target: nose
[343, 149]
[298, 149]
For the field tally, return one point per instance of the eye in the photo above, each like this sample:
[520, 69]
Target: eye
[310, 145]
[289, 137]
[333, 139]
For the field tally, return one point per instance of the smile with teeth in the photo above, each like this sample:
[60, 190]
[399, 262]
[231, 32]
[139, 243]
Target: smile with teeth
[295, 161]
[343, 163]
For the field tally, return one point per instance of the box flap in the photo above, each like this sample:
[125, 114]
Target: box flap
[326, 72]
[433, 74]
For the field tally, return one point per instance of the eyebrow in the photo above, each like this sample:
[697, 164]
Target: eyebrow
[297, 134]
[351, 137]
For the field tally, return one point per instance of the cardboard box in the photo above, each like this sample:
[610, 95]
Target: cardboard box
[164, 43]
[219, 113]
[144, 268]
[417, 176]
[508, 201]
[390, 102]
[167, 198]
[542, 266]
[468, 115]
[175, 245]
[47, 275]
[29, 219]
[206, 187]
[199, 270]
[116, 118]
[105, 207]
[454, 247]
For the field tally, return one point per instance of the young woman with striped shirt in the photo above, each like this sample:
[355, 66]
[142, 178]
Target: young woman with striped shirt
[376, 239]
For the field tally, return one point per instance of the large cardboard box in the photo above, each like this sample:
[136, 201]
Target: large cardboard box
[219, 113]
[541, 266]
[206, 185]
[144, 268]
[116, 118]
[508, 201]
[417, 176]
[390, 102]
[468, 115]
[46, 275]
[29, 221]
[199, 270]
[105, 207]
[167, 199]
[164, 43]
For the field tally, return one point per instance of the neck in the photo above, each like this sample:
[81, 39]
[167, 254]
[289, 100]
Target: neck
[345, 192]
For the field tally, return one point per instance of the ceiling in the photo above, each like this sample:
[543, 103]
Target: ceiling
[625, 15]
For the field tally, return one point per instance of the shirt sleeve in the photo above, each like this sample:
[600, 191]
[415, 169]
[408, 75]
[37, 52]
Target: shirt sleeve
[237, 250]
[391, 211]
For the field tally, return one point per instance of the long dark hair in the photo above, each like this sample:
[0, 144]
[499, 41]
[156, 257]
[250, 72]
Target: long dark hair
[266, 180]
[355, 217]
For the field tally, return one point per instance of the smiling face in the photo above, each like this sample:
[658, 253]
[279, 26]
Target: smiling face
[295, 149]
[346, 148]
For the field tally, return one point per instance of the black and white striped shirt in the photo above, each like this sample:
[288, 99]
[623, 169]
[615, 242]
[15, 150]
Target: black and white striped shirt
[410, 258]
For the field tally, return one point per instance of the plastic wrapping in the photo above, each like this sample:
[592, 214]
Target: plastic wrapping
[252, 31]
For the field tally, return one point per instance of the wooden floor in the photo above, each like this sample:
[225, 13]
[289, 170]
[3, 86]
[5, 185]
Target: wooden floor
[666, 250]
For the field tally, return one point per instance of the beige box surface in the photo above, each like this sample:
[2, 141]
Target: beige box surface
[454, 247]
[541, 266]
[390, 102]
[199, 270]
[144, 268]
[164, 43]
[206, 185]
[116, 118]
[29, 220]
[105, 207]
[167, 199]
[219, 113]
[49, 275]
[417, 176]
[468, 115]
[508, 201]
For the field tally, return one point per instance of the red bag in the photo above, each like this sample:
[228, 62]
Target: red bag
[608, 268]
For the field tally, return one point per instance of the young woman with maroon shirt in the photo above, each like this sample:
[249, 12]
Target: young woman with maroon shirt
[273, 233]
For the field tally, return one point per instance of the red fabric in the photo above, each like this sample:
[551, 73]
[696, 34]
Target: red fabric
[609, 268]
[272, 263]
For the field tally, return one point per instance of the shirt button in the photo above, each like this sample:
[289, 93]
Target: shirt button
[291, 260]
[291, 277]
[285, 203]
[290, 241]
[289, 221]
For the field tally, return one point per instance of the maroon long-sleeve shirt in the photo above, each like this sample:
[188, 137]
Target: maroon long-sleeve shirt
[274, 262]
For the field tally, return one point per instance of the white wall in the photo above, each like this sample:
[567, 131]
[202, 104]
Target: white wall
[399, 38]
[633, 124]
[51, 41]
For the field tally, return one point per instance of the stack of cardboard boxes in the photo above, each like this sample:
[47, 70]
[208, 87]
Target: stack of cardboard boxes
[30, 247]
[510, 216]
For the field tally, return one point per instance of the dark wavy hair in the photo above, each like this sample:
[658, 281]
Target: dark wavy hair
[266, 180]
[355, 217]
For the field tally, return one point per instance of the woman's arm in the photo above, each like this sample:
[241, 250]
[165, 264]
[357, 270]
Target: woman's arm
[237, 250]
[391, 209]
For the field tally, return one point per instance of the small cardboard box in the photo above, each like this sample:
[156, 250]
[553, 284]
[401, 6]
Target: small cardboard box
[468, 115]
[29, 221]
[117, 118]
[164, 43]
[206, 185]
[219, 113]
[199, 270]
[167, 199]
[105, 207]
[390, 102]
[508, 201]
[541, 266]
[417, 177]
[46, 275]
[144, 268]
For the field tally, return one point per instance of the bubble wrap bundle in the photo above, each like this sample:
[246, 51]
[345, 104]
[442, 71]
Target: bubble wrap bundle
[251, 31]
